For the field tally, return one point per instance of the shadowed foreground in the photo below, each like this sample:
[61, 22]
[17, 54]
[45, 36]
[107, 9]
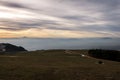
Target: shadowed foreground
[56, 65]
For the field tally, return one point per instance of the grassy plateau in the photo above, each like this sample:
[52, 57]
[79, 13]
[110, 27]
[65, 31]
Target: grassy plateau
[56, 65]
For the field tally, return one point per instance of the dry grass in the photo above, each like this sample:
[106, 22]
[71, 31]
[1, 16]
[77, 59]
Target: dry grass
[56, 65]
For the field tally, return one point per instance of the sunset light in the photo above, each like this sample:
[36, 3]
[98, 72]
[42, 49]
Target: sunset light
[59, 18]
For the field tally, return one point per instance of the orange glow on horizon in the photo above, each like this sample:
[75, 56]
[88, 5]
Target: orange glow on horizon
[46, 33]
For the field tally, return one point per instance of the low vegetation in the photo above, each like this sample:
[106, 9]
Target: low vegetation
[56, 65]
[105, 54]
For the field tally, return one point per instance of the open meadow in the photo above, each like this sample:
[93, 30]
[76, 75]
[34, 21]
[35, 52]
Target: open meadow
[56, 65]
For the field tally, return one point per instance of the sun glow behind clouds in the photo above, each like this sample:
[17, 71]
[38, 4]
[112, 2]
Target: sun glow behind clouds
[59, 18]
[9, 13]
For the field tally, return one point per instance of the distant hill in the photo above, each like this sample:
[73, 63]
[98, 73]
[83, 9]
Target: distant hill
[6, 47]
[106, 38]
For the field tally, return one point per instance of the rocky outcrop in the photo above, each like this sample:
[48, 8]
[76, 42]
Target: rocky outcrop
[6, 47]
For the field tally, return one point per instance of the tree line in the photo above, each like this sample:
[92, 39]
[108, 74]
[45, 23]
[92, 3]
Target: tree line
[105, 54]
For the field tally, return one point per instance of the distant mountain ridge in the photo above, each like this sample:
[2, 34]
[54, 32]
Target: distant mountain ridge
[6, 47]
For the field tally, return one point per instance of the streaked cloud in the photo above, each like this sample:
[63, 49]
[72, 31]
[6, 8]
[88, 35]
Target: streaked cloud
[60, 18]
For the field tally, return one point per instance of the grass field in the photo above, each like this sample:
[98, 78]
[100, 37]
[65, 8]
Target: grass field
[56, 65]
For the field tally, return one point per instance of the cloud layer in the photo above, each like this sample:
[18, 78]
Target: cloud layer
[61, 18]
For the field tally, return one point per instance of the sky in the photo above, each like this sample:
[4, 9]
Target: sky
[59, 18]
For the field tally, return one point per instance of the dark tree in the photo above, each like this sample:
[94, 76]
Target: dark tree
[105, 54]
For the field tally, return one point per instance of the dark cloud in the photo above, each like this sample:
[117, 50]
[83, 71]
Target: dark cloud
[74, 17]
[12, 28]
[79, 18]
[13, 5]
[46, 24]
[18, 25]
[9, 4]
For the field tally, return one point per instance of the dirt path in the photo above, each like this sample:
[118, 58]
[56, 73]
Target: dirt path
[82, 55]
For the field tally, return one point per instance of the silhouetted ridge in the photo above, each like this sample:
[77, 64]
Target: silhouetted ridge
[6, 47]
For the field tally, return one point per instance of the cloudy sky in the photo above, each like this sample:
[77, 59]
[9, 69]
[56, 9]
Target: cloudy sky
[59, 18]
